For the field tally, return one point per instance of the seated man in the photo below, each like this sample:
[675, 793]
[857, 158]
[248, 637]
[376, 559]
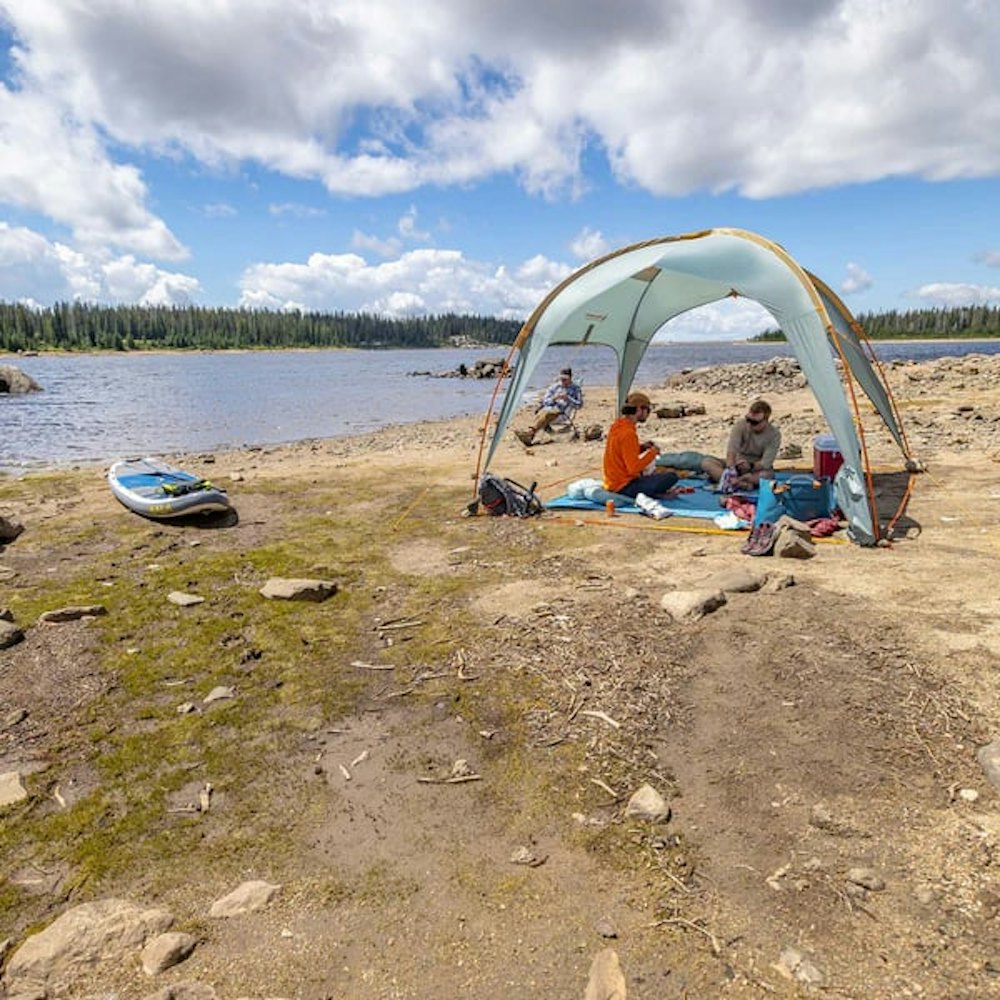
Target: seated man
[564, 397]
[750, 452]
[625, 457]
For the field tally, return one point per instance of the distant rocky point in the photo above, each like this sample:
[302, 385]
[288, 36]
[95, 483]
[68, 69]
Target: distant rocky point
[13, 380]
[481, 369]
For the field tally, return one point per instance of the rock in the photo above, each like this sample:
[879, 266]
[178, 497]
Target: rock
[736, 581]
[10, 634]
[220, 693]
[73, 613]
[14, 381]
[102, 931]
[606, 979]
[792, 539]
[9, 530]
[867, 878]
[184, 991]
[12, 790]
[165, 951]
[794, 965]
[6, 615]
[245, 898]
[989, 759]
[606, 928]
[692, 604]
[648, 804]
[183, 600]
[778, 581]
[279, 588]
[790, 452]
[593, 432]
[670, 412]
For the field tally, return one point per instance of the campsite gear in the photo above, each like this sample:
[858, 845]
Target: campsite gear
[505, 497]
[651, 507]
[624, 298]
[804, 497]
[761, 540]
[769, 507]
[609, 508]
[155, 489]
[826, 458]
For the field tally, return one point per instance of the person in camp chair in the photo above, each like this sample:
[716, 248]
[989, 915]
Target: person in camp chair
[626, 458]
[563, 398]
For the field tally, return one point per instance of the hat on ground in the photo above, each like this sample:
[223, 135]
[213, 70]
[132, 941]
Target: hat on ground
[638, 399]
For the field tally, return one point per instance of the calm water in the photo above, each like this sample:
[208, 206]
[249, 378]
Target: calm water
[95, 408]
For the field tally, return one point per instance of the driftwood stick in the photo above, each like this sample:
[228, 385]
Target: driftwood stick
[603, 716]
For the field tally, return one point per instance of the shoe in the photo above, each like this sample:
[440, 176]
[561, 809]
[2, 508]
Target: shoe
[651, 507]
[525, 437]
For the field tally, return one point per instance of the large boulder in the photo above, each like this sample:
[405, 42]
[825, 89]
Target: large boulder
[14, 380]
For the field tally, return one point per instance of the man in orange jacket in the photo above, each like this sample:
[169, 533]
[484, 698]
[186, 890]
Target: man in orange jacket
[625, 457]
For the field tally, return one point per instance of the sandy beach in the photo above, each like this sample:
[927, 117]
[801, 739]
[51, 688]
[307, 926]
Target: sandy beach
[436, 763]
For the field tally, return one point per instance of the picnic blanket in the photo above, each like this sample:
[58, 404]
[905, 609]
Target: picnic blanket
[701, 499]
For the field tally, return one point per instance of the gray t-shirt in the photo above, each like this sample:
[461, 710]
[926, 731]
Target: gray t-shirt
[759, 447]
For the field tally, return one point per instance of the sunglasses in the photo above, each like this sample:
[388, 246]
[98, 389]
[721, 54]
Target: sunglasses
[754, 421]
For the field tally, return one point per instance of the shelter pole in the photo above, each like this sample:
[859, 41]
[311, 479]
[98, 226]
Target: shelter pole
[848, 379]
[873, 357]
[504, 368]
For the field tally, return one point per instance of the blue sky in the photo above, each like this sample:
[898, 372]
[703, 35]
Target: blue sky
[446, 156]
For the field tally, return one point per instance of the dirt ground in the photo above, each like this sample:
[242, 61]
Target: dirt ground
[832, 832]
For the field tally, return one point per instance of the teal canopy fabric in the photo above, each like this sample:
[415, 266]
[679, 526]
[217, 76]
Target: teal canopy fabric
[623, 299]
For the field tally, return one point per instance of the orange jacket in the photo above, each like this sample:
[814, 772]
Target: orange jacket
[623, 461]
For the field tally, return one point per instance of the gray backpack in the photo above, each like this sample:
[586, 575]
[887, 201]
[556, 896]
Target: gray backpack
[503, 496]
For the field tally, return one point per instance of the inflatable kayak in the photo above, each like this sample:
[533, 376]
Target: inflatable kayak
[154, 489]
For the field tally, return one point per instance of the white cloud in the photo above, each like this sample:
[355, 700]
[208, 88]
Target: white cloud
[728, 319]
[219, 210]
[687, 96]
[958, 293]
[857, 280]
[407, 227]
[384, 248]
[55, 272]
[296, 210]
[424, 280]
[57, 167]
[589, 244]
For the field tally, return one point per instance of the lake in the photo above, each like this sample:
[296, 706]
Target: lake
[98, 407]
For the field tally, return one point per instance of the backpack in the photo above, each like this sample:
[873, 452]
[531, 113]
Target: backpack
[503, 496]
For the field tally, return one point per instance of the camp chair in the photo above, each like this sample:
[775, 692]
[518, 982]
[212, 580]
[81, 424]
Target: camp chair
[565, 422]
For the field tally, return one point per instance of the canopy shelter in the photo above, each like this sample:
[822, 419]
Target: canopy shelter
[623, 299]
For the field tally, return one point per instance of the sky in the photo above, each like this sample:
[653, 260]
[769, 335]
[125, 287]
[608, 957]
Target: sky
[465, 156]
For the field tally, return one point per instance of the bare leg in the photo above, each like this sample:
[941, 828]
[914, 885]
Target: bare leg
[712, 467]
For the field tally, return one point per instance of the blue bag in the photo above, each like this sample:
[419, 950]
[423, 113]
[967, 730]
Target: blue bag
[804, 497]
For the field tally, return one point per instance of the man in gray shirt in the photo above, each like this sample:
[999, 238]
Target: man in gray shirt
[750, 452]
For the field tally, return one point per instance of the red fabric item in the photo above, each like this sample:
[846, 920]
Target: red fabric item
[820, 527]
[741, 507]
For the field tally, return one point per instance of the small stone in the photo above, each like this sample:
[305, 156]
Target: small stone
[220, 693]
[280, 588]
[183, 600]
[10, 635]
[73, 613]
[606, 928]
[867, 878]
[165, 951]
[245, 898]
[648, 804]
[11, 789]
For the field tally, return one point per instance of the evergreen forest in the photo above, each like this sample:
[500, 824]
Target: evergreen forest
[959, 323]
[87, 327]
[84, 327]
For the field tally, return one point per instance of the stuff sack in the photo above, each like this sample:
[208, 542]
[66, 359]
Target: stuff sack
[805, 498]
[503, 496]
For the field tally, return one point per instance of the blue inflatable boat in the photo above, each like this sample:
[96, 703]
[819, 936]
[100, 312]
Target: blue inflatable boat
[155, 489]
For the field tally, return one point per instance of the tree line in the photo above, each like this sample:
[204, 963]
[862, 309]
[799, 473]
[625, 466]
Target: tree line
[80, 326]
[958, 323]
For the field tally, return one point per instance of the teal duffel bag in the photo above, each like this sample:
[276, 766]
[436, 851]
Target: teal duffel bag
[805, 498]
